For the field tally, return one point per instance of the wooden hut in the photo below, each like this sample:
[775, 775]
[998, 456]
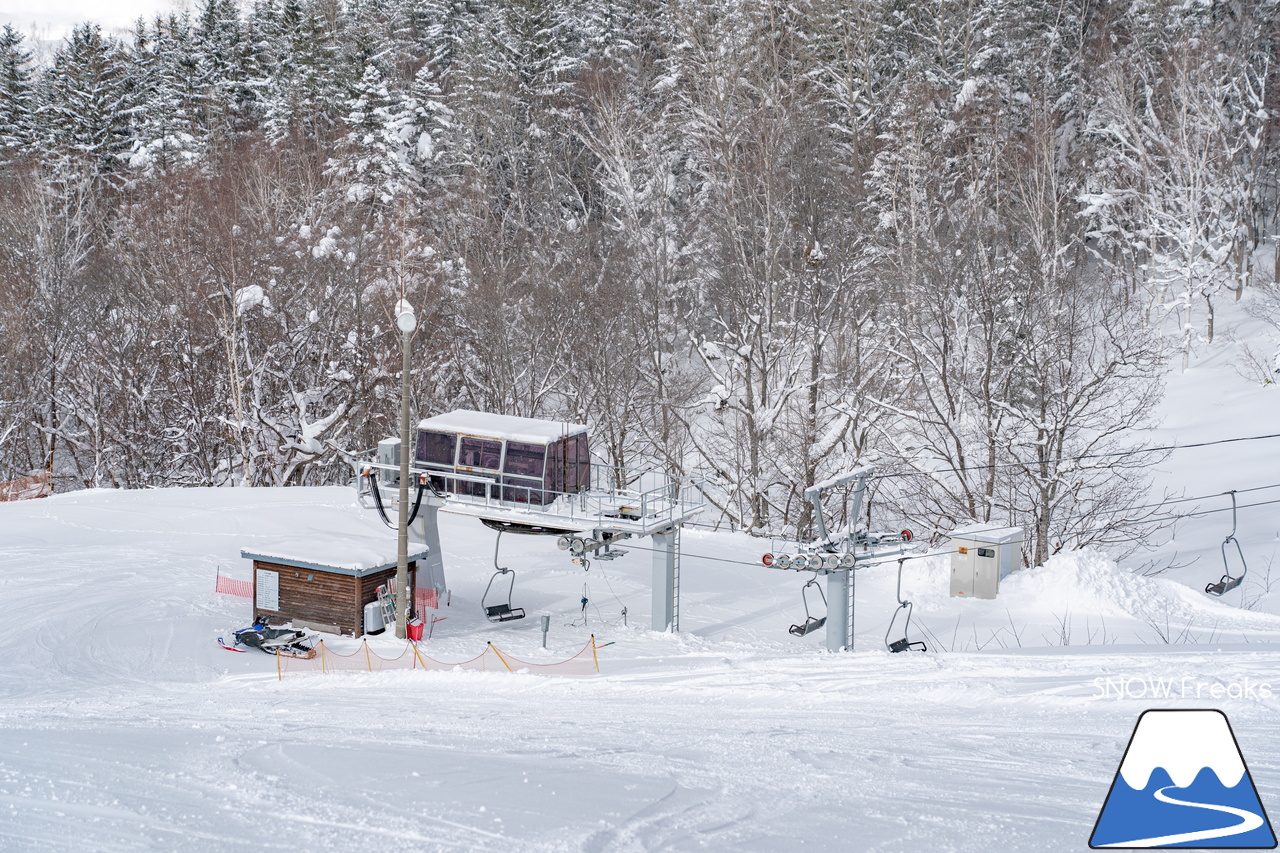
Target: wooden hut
[325, 582]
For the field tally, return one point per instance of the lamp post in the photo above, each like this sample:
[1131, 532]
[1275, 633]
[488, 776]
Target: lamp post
[406, 322]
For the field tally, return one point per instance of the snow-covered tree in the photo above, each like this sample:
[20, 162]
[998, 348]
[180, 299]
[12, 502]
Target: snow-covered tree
[90, 97]
[17, 93]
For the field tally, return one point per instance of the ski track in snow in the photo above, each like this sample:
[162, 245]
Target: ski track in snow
[125, 727]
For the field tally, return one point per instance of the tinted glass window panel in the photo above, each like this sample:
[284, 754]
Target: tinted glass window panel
[480, 453]
[584, 461]
[522, 490]
[555, 467]
[569, 462]
[436, 447]
[524, 459]
[486, 489]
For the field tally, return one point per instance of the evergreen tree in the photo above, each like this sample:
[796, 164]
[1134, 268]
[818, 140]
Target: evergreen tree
[374, 159]
[304, 77]
[88, 109]
[17, 93]
[223, 59]
[168, 131]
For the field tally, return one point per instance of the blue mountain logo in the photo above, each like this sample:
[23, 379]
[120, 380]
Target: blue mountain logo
[1183, 783]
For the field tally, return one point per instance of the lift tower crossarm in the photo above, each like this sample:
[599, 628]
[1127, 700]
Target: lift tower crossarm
[815, 493]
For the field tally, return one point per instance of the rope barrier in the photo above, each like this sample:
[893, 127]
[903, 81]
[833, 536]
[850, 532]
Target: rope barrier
[365, 659]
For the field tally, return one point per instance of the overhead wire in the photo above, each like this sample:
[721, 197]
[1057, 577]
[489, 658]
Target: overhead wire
[877, 562]
[1157, 505]
[1115, 454]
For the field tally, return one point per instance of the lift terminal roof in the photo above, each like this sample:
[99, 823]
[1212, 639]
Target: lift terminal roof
[487, 425]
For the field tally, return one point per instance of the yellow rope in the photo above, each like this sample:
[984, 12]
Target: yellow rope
[593, 652]
[501, 658]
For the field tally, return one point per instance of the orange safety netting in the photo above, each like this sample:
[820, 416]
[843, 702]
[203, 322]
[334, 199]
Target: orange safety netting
[365, 659]
[37, 485]
[231, 586]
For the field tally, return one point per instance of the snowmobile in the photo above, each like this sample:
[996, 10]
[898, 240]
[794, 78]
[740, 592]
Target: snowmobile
[275, 641]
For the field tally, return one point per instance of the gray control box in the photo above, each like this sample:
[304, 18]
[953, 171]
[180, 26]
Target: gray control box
[982, 555]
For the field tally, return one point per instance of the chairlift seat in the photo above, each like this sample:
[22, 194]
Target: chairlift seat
[1223, 586]
[904, 645]
[810, 625]
[503, 613]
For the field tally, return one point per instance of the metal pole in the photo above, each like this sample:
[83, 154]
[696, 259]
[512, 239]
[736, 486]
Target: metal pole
[402, 533]
[853, 595]
[664, 582]
[839, 635]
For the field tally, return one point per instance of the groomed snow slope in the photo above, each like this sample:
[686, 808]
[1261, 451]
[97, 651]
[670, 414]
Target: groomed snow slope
[124, 727]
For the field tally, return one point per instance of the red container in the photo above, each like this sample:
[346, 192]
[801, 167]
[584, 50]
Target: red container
[414, 628]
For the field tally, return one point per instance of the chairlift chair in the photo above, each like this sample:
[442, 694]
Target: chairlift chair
[1228, 581]
[904, 644]
[502, 611]
[811, 623]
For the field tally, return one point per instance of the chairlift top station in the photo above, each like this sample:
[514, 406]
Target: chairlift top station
[527, 475]
[534, 476]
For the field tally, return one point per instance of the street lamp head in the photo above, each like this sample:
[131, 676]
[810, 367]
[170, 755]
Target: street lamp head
[406, 320]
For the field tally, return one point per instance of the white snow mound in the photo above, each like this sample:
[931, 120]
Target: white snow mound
[1089, 582]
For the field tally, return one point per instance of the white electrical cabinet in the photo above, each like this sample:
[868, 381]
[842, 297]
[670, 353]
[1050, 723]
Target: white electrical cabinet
[982, 555]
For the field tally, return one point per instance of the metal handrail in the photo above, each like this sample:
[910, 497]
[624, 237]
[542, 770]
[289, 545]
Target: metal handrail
[672, 498]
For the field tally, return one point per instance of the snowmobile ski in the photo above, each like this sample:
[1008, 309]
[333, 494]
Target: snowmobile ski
[222, 643]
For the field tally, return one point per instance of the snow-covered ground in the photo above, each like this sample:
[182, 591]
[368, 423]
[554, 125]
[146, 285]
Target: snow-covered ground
[123, 725]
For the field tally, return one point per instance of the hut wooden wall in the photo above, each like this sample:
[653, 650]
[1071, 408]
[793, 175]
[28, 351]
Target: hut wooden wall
[324, 598]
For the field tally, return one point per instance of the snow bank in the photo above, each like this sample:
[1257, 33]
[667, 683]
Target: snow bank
[1087, 582]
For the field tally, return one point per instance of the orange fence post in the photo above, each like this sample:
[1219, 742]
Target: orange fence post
[501, 658]
[595, 656]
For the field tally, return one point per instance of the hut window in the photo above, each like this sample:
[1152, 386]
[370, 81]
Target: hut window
[479, 453]
[436, 447]
[524, 459]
